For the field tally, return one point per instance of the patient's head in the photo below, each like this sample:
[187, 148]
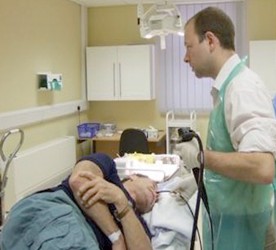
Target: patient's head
[143, 191]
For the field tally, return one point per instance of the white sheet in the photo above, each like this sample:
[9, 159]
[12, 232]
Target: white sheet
[157, 167]
[170, 220]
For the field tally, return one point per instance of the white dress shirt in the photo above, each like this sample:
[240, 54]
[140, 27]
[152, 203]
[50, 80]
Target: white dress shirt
[249, 113]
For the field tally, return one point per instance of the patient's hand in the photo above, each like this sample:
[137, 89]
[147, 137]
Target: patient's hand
[97, 189]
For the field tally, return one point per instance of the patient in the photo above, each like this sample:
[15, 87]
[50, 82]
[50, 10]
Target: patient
[92, 197]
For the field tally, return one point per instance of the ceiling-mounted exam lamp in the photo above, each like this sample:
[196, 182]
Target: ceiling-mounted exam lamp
[160, 19]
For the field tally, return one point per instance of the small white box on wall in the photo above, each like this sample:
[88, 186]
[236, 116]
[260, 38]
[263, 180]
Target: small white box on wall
[49, 81]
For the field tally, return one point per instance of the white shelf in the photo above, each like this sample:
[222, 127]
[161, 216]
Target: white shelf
[179, 123]
[26, 117]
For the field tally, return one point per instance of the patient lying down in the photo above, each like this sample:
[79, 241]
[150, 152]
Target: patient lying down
[91, 209]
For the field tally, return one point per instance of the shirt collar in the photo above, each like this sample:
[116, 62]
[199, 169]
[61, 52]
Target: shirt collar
[225, 71]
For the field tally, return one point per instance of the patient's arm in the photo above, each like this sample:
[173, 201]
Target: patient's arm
[99, 213]
[87, 182]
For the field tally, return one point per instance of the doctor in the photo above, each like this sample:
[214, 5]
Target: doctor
[241, 142]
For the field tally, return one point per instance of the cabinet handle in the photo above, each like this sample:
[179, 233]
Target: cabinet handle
[120, 80]
[114, 89]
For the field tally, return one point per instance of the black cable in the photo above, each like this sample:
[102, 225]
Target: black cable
[189, 207]
[201, 194]
[205, 201]
[79, 114]
[186, 135]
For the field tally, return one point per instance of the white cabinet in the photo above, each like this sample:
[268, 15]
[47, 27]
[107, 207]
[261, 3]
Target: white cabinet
[120, 72]
[173, 123]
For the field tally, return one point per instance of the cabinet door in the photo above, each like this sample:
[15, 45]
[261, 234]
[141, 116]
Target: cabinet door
[135, 64]
[101, 67]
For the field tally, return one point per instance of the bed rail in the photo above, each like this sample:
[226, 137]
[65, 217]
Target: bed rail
[7, 161]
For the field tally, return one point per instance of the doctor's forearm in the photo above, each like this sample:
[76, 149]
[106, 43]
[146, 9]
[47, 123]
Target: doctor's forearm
[249, 167]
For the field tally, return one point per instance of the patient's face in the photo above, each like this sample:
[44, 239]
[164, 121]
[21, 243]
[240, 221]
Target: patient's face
[146, 193]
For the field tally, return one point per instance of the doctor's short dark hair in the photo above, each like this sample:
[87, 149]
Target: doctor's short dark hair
[216, 21]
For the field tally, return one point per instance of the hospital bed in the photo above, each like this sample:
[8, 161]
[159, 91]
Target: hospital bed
[6, 161]
[49, 163]
[171, 219]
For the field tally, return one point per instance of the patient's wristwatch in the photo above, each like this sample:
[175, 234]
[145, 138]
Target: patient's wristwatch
[120, 215]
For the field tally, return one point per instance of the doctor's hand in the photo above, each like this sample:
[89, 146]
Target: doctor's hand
[189, 152]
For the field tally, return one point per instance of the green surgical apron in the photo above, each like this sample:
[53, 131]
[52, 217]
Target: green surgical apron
[240, 211]
[274, 187]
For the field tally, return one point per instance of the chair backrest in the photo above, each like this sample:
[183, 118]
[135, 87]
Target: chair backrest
[133, 140]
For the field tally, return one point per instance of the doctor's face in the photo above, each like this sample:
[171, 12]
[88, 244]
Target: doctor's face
[197, 53]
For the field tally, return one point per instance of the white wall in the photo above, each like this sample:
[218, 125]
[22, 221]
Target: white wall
[262, 59]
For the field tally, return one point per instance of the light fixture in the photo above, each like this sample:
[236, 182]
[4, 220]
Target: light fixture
[160, 19]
